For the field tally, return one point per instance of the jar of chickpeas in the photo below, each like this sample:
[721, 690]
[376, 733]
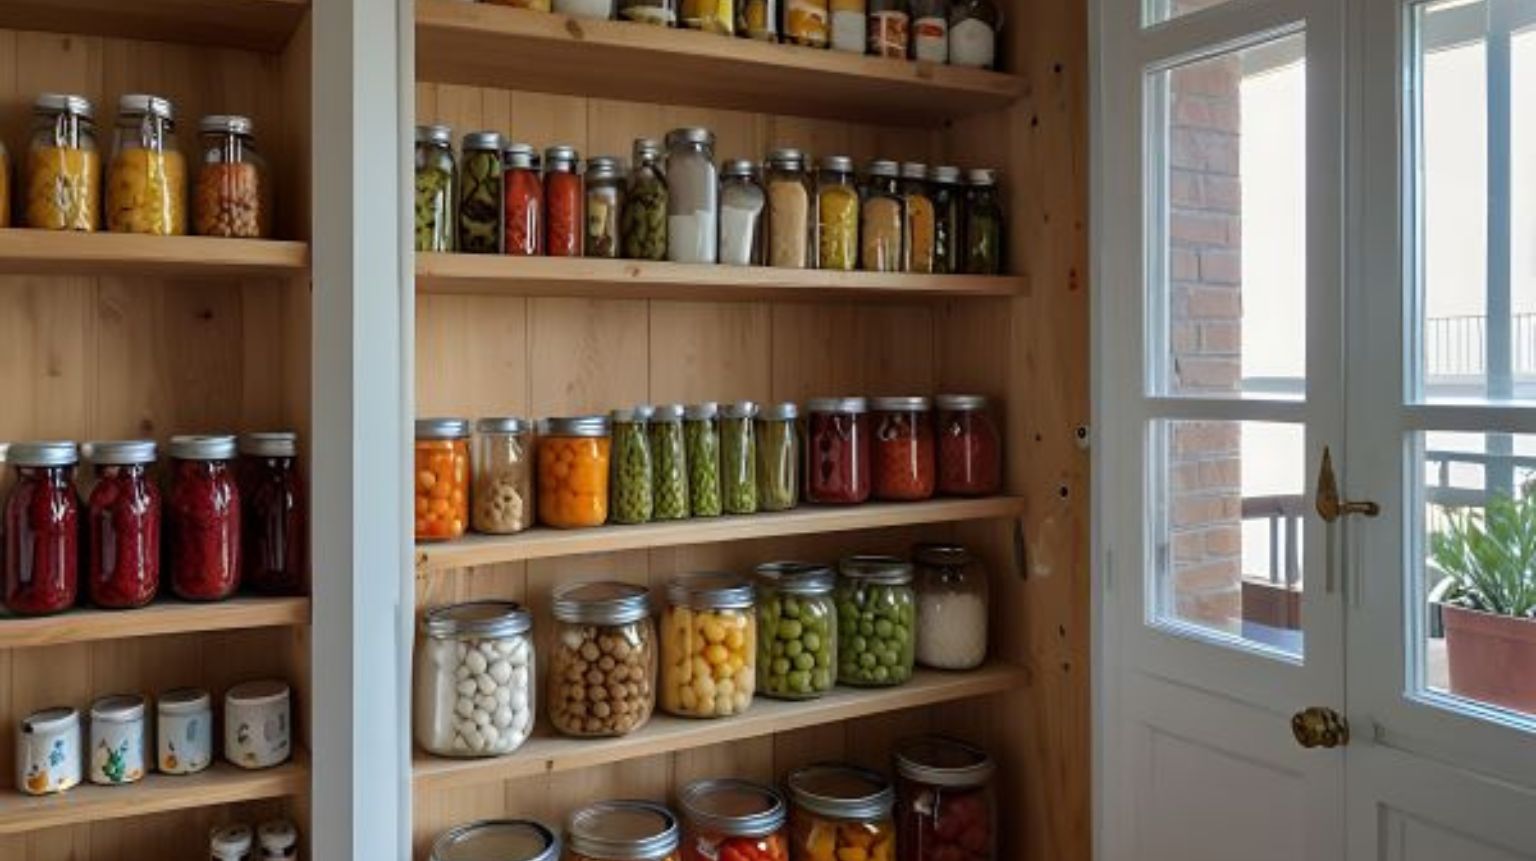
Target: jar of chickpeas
[574, 456]
[442, 478]
[602, 671]
[708, 646]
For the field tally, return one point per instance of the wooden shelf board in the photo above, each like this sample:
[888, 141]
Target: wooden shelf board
[487, 45]
[49, 252]
[547, 752]
[164, 617]
[542, 543]
[258, 25]
[222, 783]
[635, 279]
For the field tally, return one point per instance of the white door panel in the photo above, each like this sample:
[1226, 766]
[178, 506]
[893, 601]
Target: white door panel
[1407, 808]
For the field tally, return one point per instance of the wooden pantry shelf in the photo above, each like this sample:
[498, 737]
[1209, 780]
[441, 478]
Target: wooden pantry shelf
[258, 25]
[546, 752]
[222, 783]
[48, 252]
[165, 617]
[542, 543]
[487, 45]
[635, 279]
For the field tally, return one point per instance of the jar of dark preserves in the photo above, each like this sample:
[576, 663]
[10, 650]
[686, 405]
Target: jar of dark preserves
[837, 450]
[123, 538]
[274, 530]
[946, 809]
[42, 529]
[970, 446]
[203, 518]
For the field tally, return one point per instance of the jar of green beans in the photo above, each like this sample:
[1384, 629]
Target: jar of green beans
[778, 458]
[701, 432]
[876, 613]
[738, 458]
[796, 630]
[669, 463]
[631, 476]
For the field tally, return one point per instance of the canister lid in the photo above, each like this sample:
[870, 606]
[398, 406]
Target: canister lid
[787, 158]
[961, 403]
[779, 412]
[838, 163]
[941, 761]
[53, 453]
[438, 135]
[842, 791]
[914, 170]
[668, 413]
[277, 835]
[605, 167]
[441, 428]
[701, 411]
[561, 158]
[50, 720]
[231, 841]
[593, 426]
[646, 149]
[623, 831]
[739, 168]
[602, 603]
[640, 413]
[945, 173]
[146, 105]
[497, 840]
[125, 452]
[64, 103]
[797, 578]
[519, 155]
[270, 444]
[493, 619]
[231, 124]
[503, 424]
[882, 167]
[739, 410]
[887, 570]
[693, 135]
[733, 808]
[710, 590]
[259, 692]
[200, 447]
[483, 141]
[837, 405]
[118, 708]
[184, 701]
[900, 404]
[942, 555]
[981, 176]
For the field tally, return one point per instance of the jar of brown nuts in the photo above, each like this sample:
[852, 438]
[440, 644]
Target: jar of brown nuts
[602, 674]
[232, 195]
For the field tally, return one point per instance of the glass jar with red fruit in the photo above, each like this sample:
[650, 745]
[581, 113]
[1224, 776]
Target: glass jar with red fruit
[837, 450]
[42, 529]
[274, 528]
[202, 518]
[946, 809]
[903, 448]
[732, 820]
[970, 446]
[123, 537]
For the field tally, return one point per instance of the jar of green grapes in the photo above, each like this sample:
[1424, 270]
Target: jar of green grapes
[796, 630]
[876, 609]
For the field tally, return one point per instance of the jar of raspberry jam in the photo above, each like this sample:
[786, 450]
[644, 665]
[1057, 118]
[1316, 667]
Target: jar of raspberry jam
[42, 529]
[837, 450]
[274, 529]
[970, 446]
[903, 448]
[946, 808]
[203, 518]
[123, 567]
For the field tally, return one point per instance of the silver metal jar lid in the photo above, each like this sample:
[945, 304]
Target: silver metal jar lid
[231, 841]
[733, 808]
[146, 105]
[260, 692]
[914, 170]
[519, 155]
[118, 708]
[787, 158]
[944, 173]
[837, 164]
[640, 413]
[64, 103]
[693, 135]
[213, 447]
[837, 405]
[495, 619]
[739, 168]
[624, 831]
[229, 124]
[483, 141]
[503, 425]
[604, 167]
[184, 701]
[646, 149]
[497, 840]
[780, 412]
[270, 444]
[912, 404]
[883, 167]
[277, 835]
[981, 176]
[436, 135]
[710, 590]
[702, 411]
[842, 792]
[592, 426]
[50, 720]
[441, 428]
[961, 403]
[942, 555]
[886, 570]
[739, 410]
[126, 452]
[562, 158]
[939, 761]
[797, 578]
[602, 603]
[53, 453]
[668, 413]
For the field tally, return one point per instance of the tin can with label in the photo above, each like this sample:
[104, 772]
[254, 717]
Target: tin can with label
[117, 740]
[185, 731]
[257, 729]
[48, 752]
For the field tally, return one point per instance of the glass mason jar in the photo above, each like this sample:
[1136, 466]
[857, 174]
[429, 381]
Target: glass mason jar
[983, 224]
[693, 193]
[946, 806]
[948, 218]
[890, 28]
[605, 201]
[503, 476]
[930, 31]
[502, 839]
[903, 448]
[837, 214]
[564, 202]
[973, 29]
[805, 22]
[735, 820]
[882, 220]
[708, 646]
[230, 843]
[123, 536]
[644, 230]
[202, 518]
[738, 458]
[42, 529]
[951, 608]
[602, 676]
[711, 16]
[574, 458]
[600, 10]
[622, 831]
[632, 480]
[837, 450]
[839, 812]
[442, 478]
[758, 19]
[922, 227]
[848, 25]
[278, 840]
[741, 214]
[701, 432]
[276, 527]
[669, 456]
[791, 230]
[474, 679]
[661, 13]
[63, 165]
[522, 202]
[797, 627]
[436, 189]
[479, 201]
[970, 446]
[147, 180]
[232, 194]
[778, 457]
[875, 625]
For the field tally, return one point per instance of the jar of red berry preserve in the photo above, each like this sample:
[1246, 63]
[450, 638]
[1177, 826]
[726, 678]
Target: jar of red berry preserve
[274, 529]
[837, 450]
[945, 807]
[123, 536]
[903, 448]
[970, 446]
[203, 518]
[42, 528]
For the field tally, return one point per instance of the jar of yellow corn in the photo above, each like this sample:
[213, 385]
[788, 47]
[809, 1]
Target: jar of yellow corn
[147, 179]
[708, 646]
[63, 166]
[841, 813]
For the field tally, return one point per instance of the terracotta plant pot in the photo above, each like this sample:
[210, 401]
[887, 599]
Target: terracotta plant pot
[1492, 658]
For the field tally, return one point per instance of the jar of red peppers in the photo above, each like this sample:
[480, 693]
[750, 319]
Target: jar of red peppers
[202, 518]
[732, 820]
[903, 448]
[970, 446]
[42, 529]
[275, 530]
[523, 201]
[564, 202]
[837, 450]
[123, 537]
[946, 809]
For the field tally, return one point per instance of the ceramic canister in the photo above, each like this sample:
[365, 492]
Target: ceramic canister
[48, 751]
[230, 843]
[185, 731]
[256, 724]
[117, 739]
[279, 840]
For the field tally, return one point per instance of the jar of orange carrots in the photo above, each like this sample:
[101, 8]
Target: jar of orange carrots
[442, 478]
[573, 471]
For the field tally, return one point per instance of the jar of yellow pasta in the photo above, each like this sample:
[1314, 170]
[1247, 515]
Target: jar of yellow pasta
[708, 646]
[63, 165]
[147, 179]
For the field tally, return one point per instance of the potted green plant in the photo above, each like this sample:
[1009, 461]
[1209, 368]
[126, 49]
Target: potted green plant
[1488, 600]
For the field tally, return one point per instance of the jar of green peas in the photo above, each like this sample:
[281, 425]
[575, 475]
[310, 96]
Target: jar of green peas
[797, 630]
[877, 612]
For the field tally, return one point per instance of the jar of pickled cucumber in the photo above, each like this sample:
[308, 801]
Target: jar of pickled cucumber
[876, 621]
[147, 180]
[837, 214]
[708, 646]
[778, 457]
[436, 184]
[841, 812]
[574, 458]
[797, 630]
[983, 224]
[442, 478]
[669, 463]
[738, 458]
[701, 432]
[480, 194]
[632, 472]
[63, 165]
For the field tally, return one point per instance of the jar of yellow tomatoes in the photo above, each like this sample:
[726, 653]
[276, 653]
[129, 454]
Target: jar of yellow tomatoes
[63, 167]
[574, 454]
[147, 180]
[841, 813]
[708, 646]
[622, 831]
[442, 478]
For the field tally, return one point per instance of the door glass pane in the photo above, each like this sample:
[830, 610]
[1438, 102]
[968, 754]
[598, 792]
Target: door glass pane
[1158, 11]
[1227, 521]
[1227, 266]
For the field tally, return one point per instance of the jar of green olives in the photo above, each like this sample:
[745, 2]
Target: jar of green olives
[796, 630]
[436, 200]
[631, 476]
[738, 458]
[644, 219]
[876, 610]
[778, 458]
[701, 432]
[480, 194]
[669, 464]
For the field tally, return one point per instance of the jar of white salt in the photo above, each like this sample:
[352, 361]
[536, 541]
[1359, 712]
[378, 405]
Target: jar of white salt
[951, 608]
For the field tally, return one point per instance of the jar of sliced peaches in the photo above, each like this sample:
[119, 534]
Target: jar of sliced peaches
[442, 478]
[841, 813]
[708, 646]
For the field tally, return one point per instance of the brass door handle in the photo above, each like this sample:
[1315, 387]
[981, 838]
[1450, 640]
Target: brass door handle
[1329, 506]
[1320, 727]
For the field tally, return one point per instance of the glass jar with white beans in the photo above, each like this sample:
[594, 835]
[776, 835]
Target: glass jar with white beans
[474, 679]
